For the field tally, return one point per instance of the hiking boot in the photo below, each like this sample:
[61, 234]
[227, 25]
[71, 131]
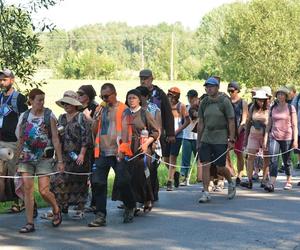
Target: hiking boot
[100, 221]
[169, 186]
[237, 181]
[247, 184]
[205, 197]
[231, 191]
[128, 215]
[176, 179]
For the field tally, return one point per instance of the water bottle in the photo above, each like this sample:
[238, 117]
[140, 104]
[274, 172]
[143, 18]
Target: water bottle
[144, 136]
[73, 155]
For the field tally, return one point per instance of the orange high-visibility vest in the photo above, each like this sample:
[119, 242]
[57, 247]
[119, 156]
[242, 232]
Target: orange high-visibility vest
[120, 109]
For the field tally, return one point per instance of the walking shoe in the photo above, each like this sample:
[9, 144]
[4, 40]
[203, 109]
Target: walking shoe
[184, 182]
[211, 186]
[269, 187]
[246, 184]
[219, 187]
[169, 186]
[205, 197]
[237, 181]
[176, 179]
[288, 186]
[263, 183]
[128, 215]
[99, 221]
[231, 190]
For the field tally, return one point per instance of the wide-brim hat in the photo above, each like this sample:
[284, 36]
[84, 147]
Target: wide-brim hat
[69, 97]
[284, 90]
[260, 94]
[268, 90]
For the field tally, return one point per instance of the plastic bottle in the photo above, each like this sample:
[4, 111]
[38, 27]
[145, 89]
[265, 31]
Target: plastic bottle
[144, 136]
[73, 156]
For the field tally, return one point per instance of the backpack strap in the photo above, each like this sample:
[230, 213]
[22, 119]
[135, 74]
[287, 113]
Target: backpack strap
[14, 102]
[297, 103]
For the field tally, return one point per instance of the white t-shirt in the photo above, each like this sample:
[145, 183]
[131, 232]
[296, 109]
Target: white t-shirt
[187, 132]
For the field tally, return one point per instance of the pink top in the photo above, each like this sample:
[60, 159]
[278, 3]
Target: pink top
[282, 129]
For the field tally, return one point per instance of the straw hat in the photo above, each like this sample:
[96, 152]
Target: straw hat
[260, 94]
[69, 97]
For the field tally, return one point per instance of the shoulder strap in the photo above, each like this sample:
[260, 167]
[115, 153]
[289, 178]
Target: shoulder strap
[14, 102]
[297, 102]
[23, 122]
[47, 120]
[80, 120]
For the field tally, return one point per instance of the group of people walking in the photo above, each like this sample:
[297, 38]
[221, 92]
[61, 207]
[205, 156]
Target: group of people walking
[132, 138]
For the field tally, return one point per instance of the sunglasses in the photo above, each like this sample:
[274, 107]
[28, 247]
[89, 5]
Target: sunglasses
[65, 104]
[104, 97]
[230, 91]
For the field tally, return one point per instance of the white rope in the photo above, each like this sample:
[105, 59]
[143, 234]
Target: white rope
[263, 155]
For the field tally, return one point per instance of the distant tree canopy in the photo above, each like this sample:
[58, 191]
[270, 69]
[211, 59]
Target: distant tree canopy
[19, 42]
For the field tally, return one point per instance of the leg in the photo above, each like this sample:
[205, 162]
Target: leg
[186, 157]
[28, 196]
[240, 164]
[274, 148]
[286, 158]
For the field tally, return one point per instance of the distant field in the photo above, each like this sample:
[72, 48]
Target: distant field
[55, 88]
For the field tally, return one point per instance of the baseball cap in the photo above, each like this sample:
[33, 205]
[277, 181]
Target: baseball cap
[7, 73]
[233, 85]
[211, 81]
[174, 90]
[145, 73]
[192, 93]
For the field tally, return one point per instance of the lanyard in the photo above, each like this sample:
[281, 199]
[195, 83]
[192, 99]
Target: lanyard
[8, 99]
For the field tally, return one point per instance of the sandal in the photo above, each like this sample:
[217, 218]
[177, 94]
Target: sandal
[288, 186]
[57, 219]
[15, 208]
[47, 216]
[28, 228]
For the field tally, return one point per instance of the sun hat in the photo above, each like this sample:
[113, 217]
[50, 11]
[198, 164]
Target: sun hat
[69, 97]
[284, 90]
[260, 94]
[268, 90]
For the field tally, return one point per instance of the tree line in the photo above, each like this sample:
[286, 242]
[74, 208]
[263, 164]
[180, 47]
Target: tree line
[255, 42]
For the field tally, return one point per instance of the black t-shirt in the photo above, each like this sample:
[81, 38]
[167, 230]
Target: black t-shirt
[7, 132]
[91, 107]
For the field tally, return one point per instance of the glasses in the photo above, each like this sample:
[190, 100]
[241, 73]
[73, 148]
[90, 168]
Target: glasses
[230, 91]
[105, 97]
[65, 104]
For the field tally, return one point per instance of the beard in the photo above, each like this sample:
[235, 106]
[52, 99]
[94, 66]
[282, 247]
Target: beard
[5, 89]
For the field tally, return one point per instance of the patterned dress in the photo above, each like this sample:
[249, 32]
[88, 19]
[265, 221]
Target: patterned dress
[73, 189]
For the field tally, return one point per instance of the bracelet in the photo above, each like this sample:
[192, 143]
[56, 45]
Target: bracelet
[60, 162]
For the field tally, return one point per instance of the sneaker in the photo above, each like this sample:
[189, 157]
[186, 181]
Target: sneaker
[237, 181]
[184, 182]
[246, 184]
[288, 186]
[128, 215]
[176, 179]
[211, 186]
[231, 191]
[169, 186]
[100, 221]
[269, 188]
[205, 197]
[219, 187]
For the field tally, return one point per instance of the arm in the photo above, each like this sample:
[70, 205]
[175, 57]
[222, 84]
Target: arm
[295, 128]
[231, 128]
[244, 117]
[158, 121]
[167, 116]
[86, 140]
[153, 129]
[56, 144]
[187, 120]
[200, 128]
[266, 136]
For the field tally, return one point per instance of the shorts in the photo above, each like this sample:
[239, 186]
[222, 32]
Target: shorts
[297, 151]
[44, 166]
[172, 148]
[255, 141]
[238, 146]
[210, 152]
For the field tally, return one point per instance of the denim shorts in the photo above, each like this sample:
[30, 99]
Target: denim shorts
[43, 166]
[210, 152]
[173, 148]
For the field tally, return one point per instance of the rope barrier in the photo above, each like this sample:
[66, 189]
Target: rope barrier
[151, 156]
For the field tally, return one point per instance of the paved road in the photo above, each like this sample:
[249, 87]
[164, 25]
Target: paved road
[253, 220]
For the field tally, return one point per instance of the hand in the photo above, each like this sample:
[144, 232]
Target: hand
[295, 145]
[120, 156]
[171, 139]
[80, 159]
[144, 147]
[87, 114]
[60, 167]
[264, 146]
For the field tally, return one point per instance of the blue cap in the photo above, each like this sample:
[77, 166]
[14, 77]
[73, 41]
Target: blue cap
[211, 81]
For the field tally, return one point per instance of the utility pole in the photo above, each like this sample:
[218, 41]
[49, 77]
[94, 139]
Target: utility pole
[142, 55]
[172, 58]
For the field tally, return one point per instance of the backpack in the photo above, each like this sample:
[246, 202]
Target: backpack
[220, 102]
[14, 101]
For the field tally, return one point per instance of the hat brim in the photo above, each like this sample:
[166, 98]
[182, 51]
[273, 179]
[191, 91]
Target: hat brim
[260, 97]
[68, 100]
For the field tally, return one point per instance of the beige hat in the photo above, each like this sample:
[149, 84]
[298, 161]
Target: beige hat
[268, 90]
[260, 94]
[284, 90]
[70, 97]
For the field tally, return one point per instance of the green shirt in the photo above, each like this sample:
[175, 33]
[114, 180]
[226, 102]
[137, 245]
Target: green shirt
[215, 114]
